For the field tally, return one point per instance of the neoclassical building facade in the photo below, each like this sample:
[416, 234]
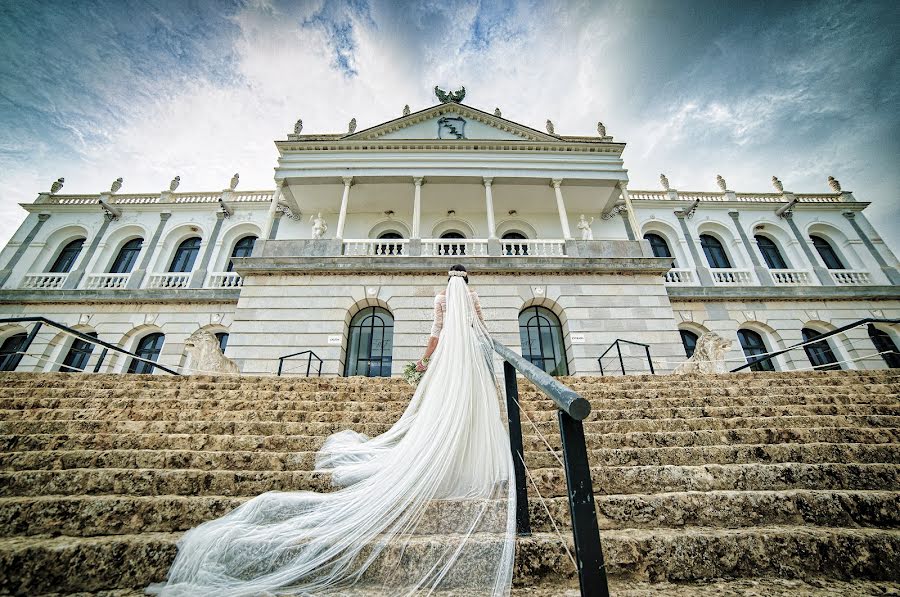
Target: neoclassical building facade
[343, 257]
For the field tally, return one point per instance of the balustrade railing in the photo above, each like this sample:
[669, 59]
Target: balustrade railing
[224, 280]
[533, 248]
[681, 276]
[44, 281]
[376, 247]
[453, 247]
[732, 277]
[107, 281]
[847, 277]
[791, 277]
[169, 280]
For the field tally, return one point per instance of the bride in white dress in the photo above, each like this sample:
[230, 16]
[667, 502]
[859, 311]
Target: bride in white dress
[426, 508]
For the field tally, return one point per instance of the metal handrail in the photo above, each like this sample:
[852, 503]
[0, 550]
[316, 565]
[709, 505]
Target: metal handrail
[821, 336]
[311, 356]
[572, 410]
[39, 321]
[621, 360]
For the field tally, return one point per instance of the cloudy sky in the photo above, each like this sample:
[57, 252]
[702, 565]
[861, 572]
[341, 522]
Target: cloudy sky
[146, 90]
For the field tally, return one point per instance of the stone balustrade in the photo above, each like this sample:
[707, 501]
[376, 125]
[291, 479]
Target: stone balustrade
[45, 281]
[846, 277]
[733, 277]
[107, 281]
[169, 280]
[791, 277]
[681, 276]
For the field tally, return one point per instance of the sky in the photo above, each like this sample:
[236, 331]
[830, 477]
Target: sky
[145, 90]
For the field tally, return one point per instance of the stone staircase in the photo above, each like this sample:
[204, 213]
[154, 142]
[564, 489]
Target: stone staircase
[756, 484]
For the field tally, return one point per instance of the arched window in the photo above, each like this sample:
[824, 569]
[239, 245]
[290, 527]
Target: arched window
[454, 248]
[148, 348]
[371, 345]
[819, 353]
[222, 337]
[714, 251]
[689, 341]
[658, 244]
[826, 252]
[9, 357]
[185, 255]
[542, 340]
[770, 252]
[515, 248]
[67, 257]
[242, 248]
[753, 345]
[885, 345]
[127, 257]
[79, 353]
[389, 248]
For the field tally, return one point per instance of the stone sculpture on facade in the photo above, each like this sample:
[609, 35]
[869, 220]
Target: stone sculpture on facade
[174, 184]
[57, 185]
[298, 126]
[497, 112]
[601, 129]
[550, 127]
[234, 181]
[723, 186]
[834, 183]
[777, 184]
[351, 128]
[406, 110]
[585, 226]
[664, 182]
[206, 356]
[319, 227]
[453, 96]
[708, 357]
[116, 185]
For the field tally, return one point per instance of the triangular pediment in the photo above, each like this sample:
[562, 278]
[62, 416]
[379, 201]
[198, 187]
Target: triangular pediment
[451, 121]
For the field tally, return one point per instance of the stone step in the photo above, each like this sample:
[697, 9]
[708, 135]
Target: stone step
[116, 515]
[30, 565]
[550, 481]
[269, 460]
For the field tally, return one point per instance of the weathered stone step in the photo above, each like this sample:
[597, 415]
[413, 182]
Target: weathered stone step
[264, 460]
[116, 515]
[35, 564]
[550, 481]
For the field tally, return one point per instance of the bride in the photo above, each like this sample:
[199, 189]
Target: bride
[426, 508]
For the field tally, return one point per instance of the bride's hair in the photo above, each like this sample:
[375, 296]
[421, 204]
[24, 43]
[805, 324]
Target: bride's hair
[460, 268]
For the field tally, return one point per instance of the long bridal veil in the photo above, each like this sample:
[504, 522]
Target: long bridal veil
[425, 508]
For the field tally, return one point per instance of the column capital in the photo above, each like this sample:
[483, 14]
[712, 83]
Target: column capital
[487, 180]
[165, 215]
[280, 184]
[348, 180]
[788, 214]
[734, 214]
[221, 215]
[680, 214]
[849, 214]
[556, 183]
[418, 180]
[43, 217]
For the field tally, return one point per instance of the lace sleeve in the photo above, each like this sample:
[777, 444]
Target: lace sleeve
[438, 324]
[477, 303]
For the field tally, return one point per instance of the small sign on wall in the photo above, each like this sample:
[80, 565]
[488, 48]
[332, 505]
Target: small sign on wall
[577, 338]
[336, 340]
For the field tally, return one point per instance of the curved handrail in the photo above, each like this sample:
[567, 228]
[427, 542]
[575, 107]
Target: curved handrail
[81, 335]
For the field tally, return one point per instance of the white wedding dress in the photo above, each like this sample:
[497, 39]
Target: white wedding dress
[426, 508]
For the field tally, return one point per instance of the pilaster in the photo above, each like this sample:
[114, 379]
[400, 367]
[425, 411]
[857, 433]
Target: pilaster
[762, 272]
[137, 276]
[822, 274]
[26, 242]
[703, 273]
[891, 272]
[199, 275]
[75, 275]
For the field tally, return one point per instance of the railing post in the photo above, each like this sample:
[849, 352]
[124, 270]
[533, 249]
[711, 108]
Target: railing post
[523, 524]
[17, 358]
[280, 365]
[308, 363]
[100, 360]
[621, 362]
[649, 360]
[588, 552]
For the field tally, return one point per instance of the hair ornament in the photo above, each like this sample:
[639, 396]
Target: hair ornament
[457, 274]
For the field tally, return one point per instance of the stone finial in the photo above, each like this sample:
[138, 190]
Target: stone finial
[721, 182]
[298, 126]
[57, 185]
[601, 129]
[116, 185]
[550, 127]
[664, 182]
[777, 184]
[497, 112]
[174, 184]
[834, 183]
[351, 128]
[234, 181]
[406, 110]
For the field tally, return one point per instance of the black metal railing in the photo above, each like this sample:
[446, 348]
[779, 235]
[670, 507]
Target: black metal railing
[618, 348]
[755, 360]
[572, 410]
[14, 360]
[310, 356]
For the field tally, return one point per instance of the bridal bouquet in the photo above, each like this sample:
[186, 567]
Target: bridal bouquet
[412, 376]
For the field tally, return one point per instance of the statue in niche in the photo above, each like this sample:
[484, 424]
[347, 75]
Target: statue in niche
[834, 183]
[206, 356]
[721, 182]
[234, 181]
[319, 227]
[585, 226]
[777, 184]
[298, 126]
[57, 185]
[664, 182]
[174, 184]
[708, 357]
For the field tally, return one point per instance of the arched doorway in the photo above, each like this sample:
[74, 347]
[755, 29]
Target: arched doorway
[542, 340]
[371, 343]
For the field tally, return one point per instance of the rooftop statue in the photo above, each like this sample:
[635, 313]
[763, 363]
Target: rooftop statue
[234, 181]
[116, 185]
[298, 126]
[351, 128]
[497, 112]
[57, 185]
[453, 96]
[174, 184]
[777, 184]
[664, 182]
[834, 183]
[721, 182]
[601, 129]
[550, 127]
[406, 110]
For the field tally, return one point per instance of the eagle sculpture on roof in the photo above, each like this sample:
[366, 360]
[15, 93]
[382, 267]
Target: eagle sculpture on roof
[452, 96]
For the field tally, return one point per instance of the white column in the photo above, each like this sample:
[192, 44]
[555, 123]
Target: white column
[489, 206]
[339, 233]
[270, 219]
[561, 206]
[417, 208]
